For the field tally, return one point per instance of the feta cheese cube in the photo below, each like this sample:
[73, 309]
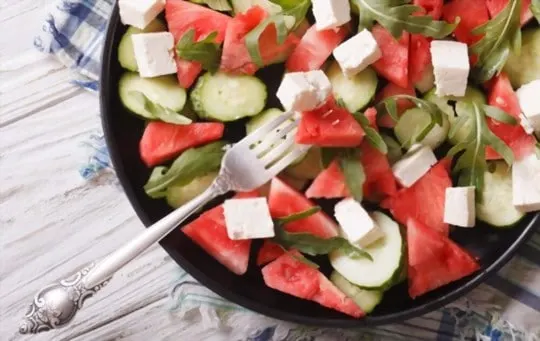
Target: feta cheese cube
[303, 91]
[355, 54]
[529, 101]
[139, 13]
[154, 53]
[248, 219]
[356, 224]
[459, 206]
[450, 67]
[526, 124]
[331, 13]
[414, 164]
[526, 184]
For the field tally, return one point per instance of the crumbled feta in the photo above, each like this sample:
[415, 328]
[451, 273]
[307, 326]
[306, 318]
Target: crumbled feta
[154, 53]
[450, 67]
[331, 13]
[139, 13]
[356, 224]
[248, 219]
[459, 206]
[355, 54]
[414, 164]
[529, 101]
[303, 91]
[526, 183]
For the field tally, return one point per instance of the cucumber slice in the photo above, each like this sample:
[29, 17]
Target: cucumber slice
[367, 300]
[413, 121]
[126, 56]
[427, 82]
[395, 152]
[496, 208]
[387, 253]
[524, 67]
[178, 195]
[225, 97]
[309, 167]
[162, 90]
[355, 92]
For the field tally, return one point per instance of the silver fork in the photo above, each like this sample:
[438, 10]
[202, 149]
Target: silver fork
[246, 166]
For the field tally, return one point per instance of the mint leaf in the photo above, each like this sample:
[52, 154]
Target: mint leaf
[294, 8]
[218, 5]
[298, 216]
[159, 112]
[372, 134]
[252, 38]
[354, 174]
[206, 51]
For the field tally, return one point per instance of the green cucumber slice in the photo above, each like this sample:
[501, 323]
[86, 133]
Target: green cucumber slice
[162, 90]
[387, 253]
[355, 92]
[309, 167]
[178, 195]
[126, 56]
[524, 67]
[225, 97]
[367, 300]
[413, 121]
[496, 208]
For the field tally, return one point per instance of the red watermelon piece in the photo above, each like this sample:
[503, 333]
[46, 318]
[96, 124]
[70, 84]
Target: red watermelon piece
[496, 6]
[419, 57]
[502, 95]
[235, 57]
[423, 201]
[371, 115]
[394, 63]
[283, 201]
[268, 252]
[471, 13]
[181, 16]
[389, 90]
[431, 7]
[329, 126]
[314, 49]
[433, 259]
[162, 141]
[210, 233]
[330, 184]
[291, 276]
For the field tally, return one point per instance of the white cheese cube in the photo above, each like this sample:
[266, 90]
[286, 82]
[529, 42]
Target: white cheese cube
[450, 66]
[248, 219]
[526, 184]
[331, 13]
[526, 124]
[529, 101]
[459, 206]
[356, 224]
[154, 53]
[355, 54]
[139, 13]
[303, 91]
[414, 164]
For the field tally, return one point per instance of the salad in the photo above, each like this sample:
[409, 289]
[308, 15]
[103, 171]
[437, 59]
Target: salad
[422, 118]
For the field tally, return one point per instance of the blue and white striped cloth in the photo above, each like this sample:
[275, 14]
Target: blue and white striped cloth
[507, 307]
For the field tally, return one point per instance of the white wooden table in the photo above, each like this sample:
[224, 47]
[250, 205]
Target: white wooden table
[51, 221]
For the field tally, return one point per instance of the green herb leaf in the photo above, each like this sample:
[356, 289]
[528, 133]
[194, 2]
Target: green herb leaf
[397, 16]
[218, 5]
[372, 134]
[192, 163]
[499, 115]
[294, 8]
[252, 38]
[328, 155]
[537, 149]
[354, 174]
[206, 51]
[159, 112]
[302, 259]
[340, 102]
[394, 149]
[535, 9]
[298, 216]
[501, 34]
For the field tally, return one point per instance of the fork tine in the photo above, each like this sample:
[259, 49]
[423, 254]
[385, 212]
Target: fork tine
[273, 139]
[288, 159]
[276, 152]
[259, 133]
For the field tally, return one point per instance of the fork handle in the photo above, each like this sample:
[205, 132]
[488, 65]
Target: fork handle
[104, 269]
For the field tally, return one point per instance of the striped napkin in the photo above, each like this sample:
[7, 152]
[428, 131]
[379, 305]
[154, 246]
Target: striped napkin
[507, 307]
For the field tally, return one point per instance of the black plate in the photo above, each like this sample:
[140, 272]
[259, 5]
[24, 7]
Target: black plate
[123, 130]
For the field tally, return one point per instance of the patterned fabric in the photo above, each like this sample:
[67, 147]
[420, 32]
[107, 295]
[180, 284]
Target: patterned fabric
[507, 307]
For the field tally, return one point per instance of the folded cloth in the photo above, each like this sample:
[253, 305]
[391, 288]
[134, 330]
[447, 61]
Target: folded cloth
[507, 307]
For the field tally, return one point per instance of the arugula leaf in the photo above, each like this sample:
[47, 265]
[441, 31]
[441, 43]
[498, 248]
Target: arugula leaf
[372, 134]
[218, 5]
[206, 51]
[499, 115]
[252, 38]
[501, 35]
[397, 16]
[192, 163]
[298, 216]
[159, 112]
[535, 9]
[302, 259]
[354, 174]
[295, 8]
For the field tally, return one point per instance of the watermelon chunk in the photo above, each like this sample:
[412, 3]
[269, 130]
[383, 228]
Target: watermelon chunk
[235, 57]
[314, 49]
[284, 201]
[162, 141]
[419, 57]
[502, 95]
[291, 276]
[329, 184]
[389, 90]
[431, 7]
[210, 233]
[471, 13]
[329, 126]
[182, 16]
[495, 6]
[268, 252]
[423, 201]
[434, 260]
[394, 63]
